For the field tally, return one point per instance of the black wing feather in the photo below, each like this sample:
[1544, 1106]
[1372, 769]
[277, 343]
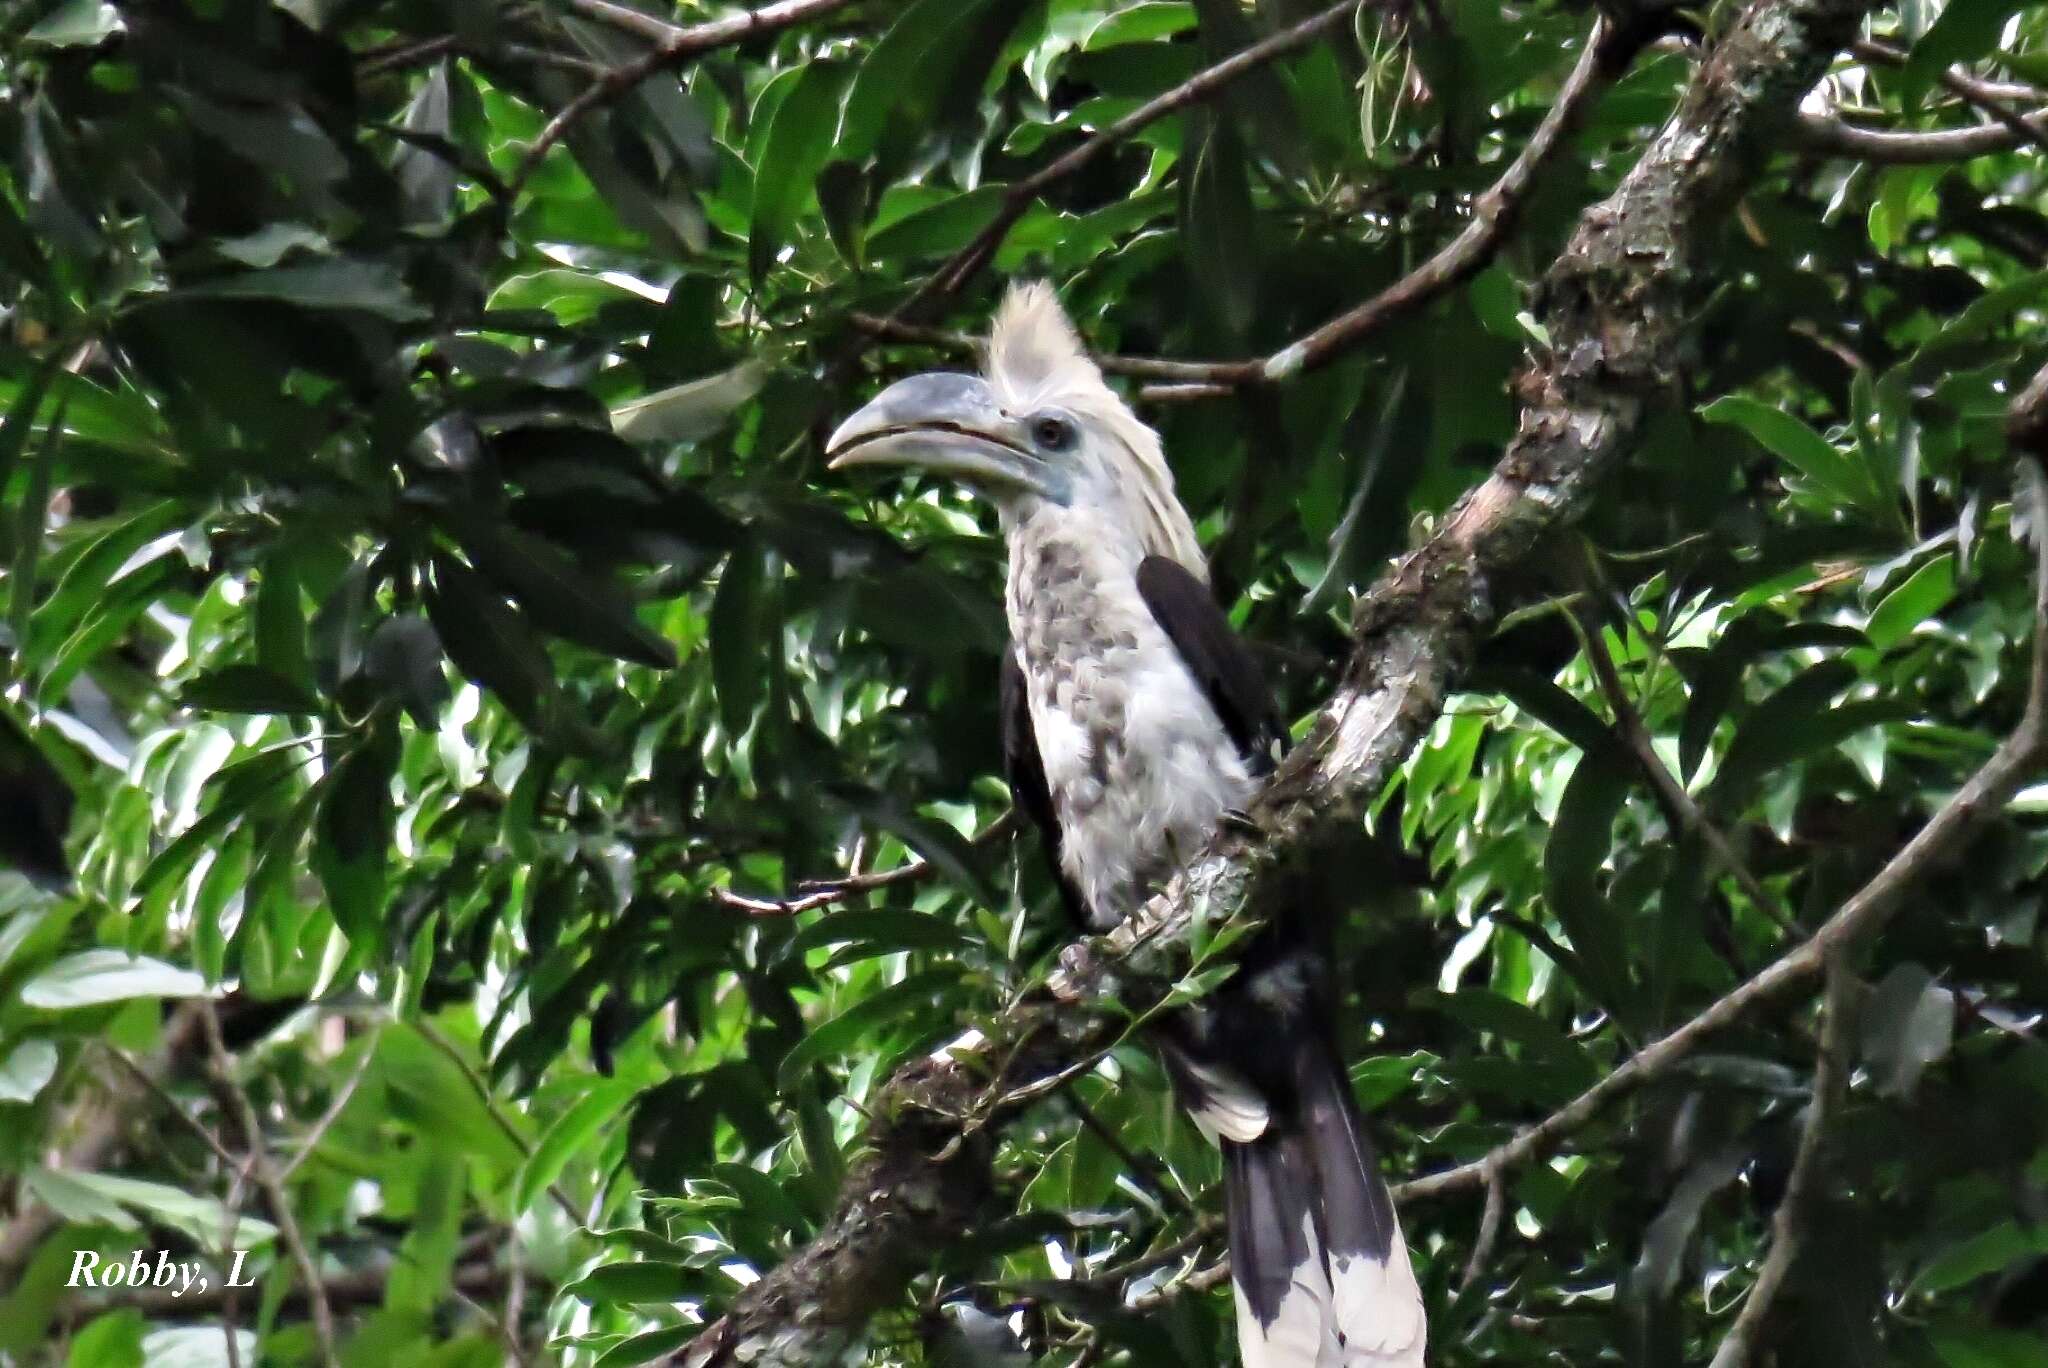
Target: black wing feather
[1219, 661]
[1026, 773]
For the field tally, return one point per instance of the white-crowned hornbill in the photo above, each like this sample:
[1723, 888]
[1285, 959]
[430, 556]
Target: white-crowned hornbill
[1133, 721]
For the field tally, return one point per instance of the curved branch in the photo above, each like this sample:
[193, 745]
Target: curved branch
[1832, 137]
[824, 892]
[959, 268]
[677, 45]
[1607, 53]
[1830, 1087]
[1616, 305]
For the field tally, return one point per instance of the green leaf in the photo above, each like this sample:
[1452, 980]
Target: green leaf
[247, 689]
[1548, 703]
[691, 411]
[77, 23]
[113, 1340]
[880, 932]
[1145, 22]
[647, 1346]
[904, 68]
[404, 658]
[1965, 31]
[846, 1032]
[373, 287]
[937, 229]
[236, 788]
[629, 1283]
[490, 642]
[1778, 730]
[762, 1197]
[27, 1070]
[90, 1197]
[561, 597]
[1976, 1346]
[354, 831]
[1982, 1254]
[1579, 841]
[93, 977]
[736, 629]
[1785, 436]
[566, 1138]
[1216, 225]
[798, 144]
[947, 850]
[1920, 597]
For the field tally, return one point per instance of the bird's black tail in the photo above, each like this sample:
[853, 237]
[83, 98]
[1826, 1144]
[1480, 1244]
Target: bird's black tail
[1317, 1262]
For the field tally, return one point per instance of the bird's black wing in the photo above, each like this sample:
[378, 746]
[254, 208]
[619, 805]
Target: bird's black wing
[1026, 773]
[1219, 661]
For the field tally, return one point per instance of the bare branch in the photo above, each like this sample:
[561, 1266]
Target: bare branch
[149, 1084]
[1489, 1230]
[235, 1101]
[1835, 138]
[825, 892]
[1607, 51]
[627, 19]
[1493, 216]
[676, 47]
[1137, 367]
[1830, 1085]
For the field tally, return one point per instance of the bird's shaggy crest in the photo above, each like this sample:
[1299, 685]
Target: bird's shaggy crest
[1036, 360]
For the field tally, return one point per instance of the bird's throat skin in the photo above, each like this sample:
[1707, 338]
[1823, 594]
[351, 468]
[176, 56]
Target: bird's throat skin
[1139, 765]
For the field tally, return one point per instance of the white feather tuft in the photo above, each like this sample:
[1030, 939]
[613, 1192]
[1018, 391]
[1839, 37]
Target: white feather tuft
[1363, 1313]
[1035, 359]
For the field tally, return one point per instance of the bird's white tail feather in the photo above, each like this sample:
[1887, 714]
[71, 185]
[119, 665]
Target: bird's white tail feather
[1358, 1312]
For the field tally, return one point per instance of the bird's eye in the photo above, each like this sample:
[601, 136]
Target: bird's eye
[1052, 434]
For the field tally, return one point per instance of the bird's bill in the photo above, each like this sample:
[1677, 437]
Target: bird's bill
[945, 423]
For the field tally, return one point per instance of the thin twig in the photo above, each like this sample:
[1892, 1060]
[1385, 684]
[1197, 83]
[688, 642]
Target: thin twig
[962, 265]
[678, 46]
[332, 1114]
[1201, 1280]
[1137, 367]
[1606, 52]
[825, 892]
[235, 1100]
[1830, 1085]
[1489, 1230]
[1679, 808]
[627, 19]
[173, 1106]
